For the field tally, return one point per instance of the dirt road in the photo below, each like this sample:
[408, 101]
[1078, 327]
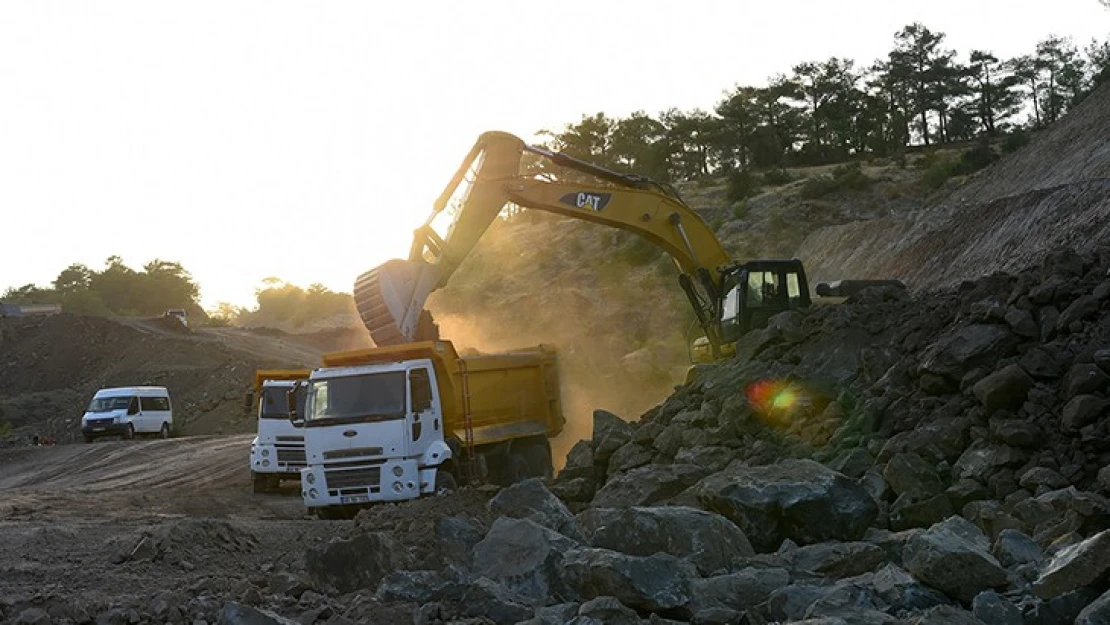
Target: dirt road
[72, 515]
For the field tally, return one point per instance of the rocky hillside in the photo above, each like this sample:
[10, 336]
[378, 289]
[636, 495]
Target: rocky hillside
[1055, 191]
[894, 460]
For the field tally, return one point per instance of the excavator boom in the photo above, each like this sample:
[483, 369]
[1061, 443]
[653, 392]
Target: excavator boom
[391, 297]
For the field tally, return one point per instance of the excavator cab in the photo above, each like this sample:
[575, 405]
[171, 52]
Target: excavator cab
[757, 291]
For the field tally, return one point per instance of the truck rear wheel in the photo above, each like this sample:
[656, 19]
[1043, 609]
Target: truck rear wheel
[538, 457]
[261, 482]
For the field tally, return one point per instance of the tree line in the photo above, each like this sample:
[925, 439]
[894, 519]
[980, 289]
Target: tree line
[116, 290]
[921, 93]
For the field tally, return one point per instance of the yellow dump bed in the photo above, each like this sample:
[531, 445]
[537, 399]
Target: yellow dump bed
[502, 396]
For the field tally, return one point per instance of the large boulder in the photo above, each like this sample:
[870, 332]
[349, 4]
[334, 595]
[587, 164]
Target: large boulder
[419, 586]
[648, 485]
[739, 591]
[954, 557]
[607, 610]
[838, 560]
[796, 499]
[966, 348]
[1097, 613]
[456, 537]
[1003, 389]
[524, 557]
[532, 500]
[1082, 410]
[1075, 567]
[909, 474]
[994, 609]
[707, 540]
[653, 583]
[1084, 379]
[487, 599]
[357, 563]
[610, 433]
[239, 614]
[979, 462]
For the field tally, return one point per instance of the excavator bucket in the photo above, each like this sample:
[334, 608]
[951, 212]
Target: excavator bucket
[390, 299]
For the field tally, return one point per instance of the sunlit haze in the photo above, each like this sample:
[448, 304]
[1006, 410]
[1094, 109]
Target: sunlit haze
[307, 140]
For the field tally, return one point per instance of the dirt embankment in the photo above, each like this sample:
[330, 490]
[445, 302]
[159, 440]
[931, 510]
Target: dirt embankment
[51, 367]
[1054, 192]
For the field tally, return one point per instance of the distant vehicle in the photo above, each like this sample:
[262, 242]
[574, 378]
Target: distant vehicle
[277, 453]
[179, 314]
[27, 310]
[128, 412]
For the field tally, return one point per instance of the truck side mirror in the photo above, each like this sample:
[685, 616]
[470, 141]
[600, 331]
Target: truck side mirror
[248, 403]
[291, 402]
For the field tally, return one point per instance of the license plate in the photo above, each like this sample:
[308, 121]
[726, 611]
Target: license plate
[98, 429]
[354, 499]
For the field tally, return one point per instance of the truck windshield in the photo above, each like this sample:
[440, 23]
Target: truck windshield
[356, 399]
[275, 402]
[108, 404]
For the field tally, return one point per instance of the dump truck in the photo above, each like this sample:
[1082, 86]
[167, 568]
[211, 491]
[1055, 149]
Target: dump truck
[277, 452]
[729, 297]
[397, 422]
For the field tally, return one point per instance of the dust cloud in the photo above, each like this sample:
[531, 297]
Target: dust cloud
[593, 374]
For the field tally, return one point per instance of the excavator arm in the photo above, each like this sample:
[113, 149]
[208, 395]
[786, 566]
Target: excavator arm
[391, 297]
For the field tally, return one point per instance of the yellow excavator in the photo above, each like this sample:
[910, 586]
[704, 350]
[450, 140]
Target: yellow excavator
[729, 298]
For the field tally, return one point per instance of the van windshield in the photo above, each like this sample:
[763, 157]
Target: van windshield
[356, 399]
[275, 402]
[108, 404]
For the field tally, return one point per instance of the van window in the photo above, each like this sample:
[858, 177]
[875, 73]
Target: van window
[108, 404]
[155, 403]
[133, 406]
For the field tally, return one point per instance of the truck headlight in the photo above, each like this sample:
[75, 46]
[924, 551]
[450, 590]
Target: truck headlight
[310, 478]
[397, 487]
[398, 471]
[312, 494]
[265, 453]
[265, 463]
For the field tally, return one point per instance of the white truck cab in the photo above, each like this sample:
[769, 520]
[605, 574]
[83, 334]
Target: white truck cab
[128, 412]
[277, 453]
[372, 433]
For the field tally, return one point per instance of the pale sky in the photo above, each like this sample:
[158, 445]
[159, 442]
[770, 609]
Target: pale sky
[307, 140]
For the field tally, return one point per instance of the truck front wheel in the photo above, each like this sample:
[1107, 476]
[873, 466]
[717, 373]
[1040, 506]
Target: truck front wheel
[538, 457]
[445, 482]
[261, 482]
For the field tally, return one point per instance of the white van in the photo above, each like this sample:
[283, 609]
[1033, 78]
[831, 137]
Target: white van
[128, 411]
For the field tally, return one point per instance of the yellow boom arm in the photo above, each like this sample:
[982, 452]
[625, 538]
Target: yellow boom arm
[391, 297]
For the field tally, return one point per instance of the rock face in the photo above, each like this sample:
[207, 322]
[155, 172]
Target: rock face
[653, 583]
[1075, 567]
[357, 563]
[953, 556]
[648, 485]
[796, 499]
[708, 541]
[532, 500]
[524, 557]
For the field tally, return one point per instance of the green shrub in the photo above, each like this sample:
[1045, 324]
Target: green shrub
[739, 209]
[741, 185]
[777, 177]
[638, 251]
[816, 187]
[975, 159]
[1015, 141]
[844, 177]
[938, 174]
[5, 429]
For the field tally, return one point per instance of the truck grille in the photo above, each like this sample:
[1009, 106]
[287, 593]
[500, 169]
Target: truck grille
[291, 455]
[339, 454]
[364, 477]
[99, 422]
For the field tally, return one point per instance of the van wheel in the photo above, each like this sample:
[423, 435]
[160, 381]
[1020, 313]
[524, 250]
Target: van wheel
[165, 431]
[445, 482]
[130, 433]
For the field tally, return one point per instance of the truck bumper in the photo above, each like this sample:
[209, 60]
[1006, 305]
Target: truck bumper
[393, 480]
[287, 460]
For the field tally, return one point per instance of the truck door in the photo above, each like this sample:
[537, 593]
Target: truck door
[425, 424]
